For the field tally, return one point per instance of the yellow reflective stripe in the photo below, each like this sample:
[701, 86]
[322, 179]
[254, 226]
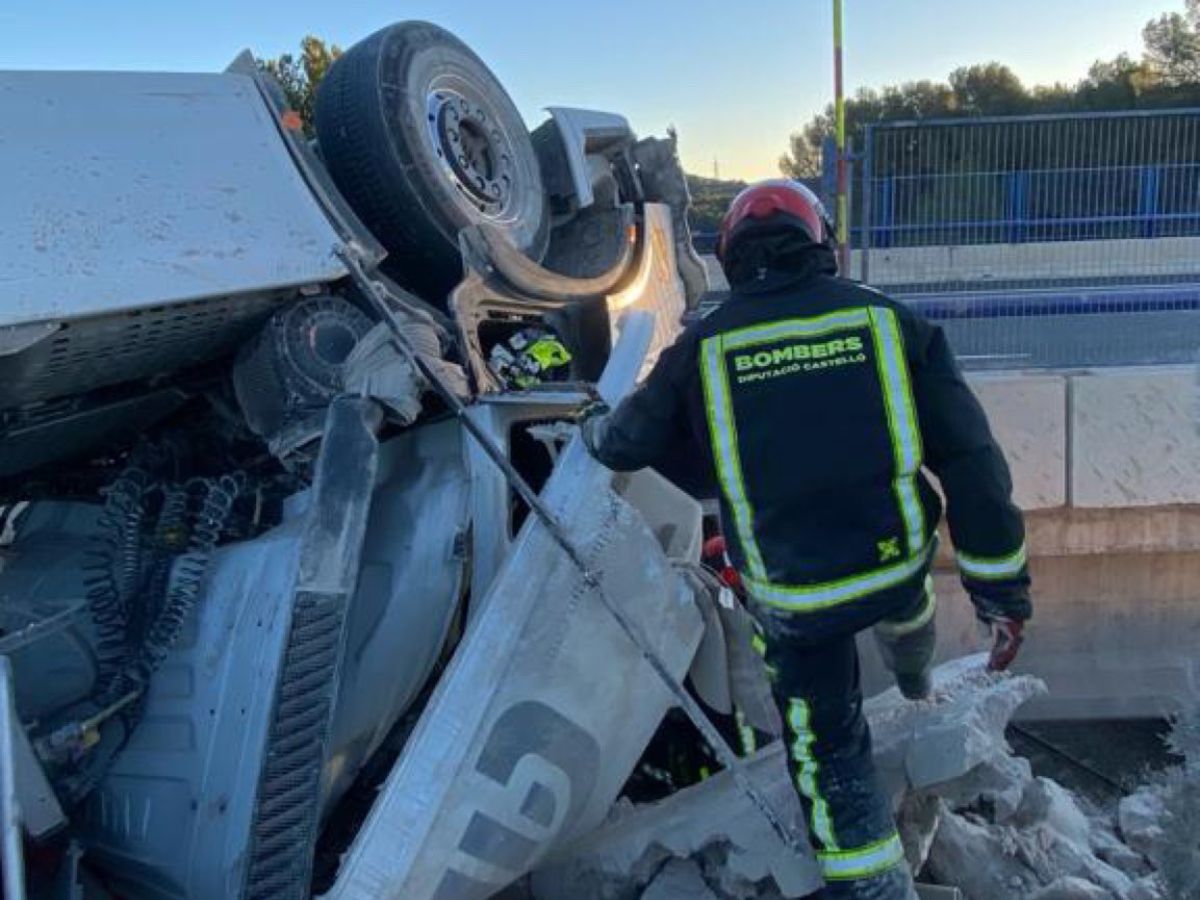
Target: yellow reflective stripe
[991, 568]
[902, 421]
[759, 644]
[812, 597]
[786, 328]
[908, 626]
[799, 717]
[745, 734]
[723, 435]
[864, 862]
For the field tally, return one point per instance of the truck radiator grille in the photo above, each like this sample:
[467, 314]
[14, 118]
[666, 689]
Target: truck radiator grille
[89, 353]
[285, 827]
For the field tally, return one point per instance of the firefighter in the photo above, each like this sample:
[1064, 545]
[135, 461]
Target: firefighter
[815, 402]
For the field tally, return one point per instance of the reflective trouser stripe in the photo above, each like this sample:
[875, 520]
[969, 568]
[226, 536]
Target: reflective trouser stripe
[902, 422]
[759, 644]
[745, 734]
[864, 862]
[891, 629]
[807, 769]
[993, 568]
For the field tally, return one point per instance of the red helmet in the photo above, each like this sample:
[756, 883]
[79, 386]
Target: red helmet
[777, 195]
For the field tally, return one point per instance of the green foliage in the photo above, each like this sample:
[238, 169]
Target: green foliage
[1167, 76]
[1173, 45]
[710, 199]
[300, 75]
[1177, 856]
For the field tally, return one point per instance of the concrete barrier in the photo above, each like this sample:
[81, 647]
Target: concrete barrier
[1103, 439]
[1028, 414]
[1134, 438]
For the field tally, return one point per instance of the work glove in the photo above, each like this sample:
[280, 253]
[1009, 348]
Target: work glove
[590, 410]
[1004, 615]
[590, 418]
[1007, 637]
[592, 407]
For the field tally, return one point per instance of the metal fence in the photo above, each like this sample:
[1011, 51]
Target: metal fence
[1125, 175]
[1040, 241]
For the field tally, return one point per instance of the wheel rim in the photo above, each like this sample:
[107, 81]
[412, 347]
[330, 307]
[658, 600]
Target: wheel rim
[472, 149]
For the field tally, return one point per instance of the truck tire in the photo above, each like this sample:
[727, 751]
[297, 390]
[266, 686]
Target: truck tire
[423, 141]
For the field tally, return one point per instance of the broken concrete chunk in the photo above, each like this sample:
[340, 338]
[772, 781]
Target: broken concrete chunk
[1146, 888]
[1000, 782]
[937, 892]
[1140, 817]
[918, 745]
[989, 861]
[1053, 856]
[712, 822]
[679, 879]
[1072, 889]
[1110, 848]
[982, 860]
[1048, 803]
[917, 822]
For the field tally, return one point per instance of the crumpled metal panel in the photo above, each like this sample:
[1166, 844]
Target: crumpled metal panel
[125, 190]
[547, 704]
[539, 720]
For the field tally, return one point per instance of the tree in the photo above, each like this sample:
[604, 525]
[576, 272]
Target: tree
[913, 100]
[710, 199]
[1173, 45]
[299, 76]
[804, 157]
[989, 89]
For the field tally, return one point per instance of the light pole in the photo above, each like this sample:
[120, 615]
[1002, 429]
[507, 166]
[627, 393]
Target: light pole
[839, 115]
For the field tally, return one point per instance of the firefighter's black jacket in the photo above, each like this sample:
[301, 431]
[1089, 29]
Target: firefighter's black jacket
[813, 403]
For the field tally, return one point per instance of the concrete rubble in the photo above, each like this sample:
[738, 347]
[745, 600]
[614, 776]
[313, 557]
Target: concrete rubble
[712, 823]
[1071, 888]
[1139, 816]
[677, 880]
[970, 813]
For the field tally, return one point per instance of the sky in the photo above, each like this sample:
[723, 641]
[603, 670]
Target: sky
[735, 78]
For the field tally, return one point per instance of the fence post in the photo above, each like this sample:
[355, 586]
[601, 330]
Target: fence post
[868, 194]
[887, 210]
[829, 172]
[1018, 206]
[1148, 200]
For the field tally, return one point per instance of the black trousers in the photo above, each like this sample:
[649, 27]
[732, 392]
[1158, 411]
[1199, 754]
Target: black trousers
[816, 684]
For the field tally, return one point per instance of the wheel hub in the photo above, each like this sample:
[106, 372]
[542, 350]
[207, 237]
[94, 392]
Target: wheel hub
[473, 150]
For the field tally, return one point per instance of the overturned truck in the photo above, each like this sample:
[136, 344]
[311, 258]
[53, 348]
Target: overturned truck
[272, 623]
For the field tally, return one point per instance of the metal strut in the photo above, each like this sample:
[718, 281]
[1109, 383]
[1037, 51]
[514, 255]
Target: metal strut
[379, 297]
